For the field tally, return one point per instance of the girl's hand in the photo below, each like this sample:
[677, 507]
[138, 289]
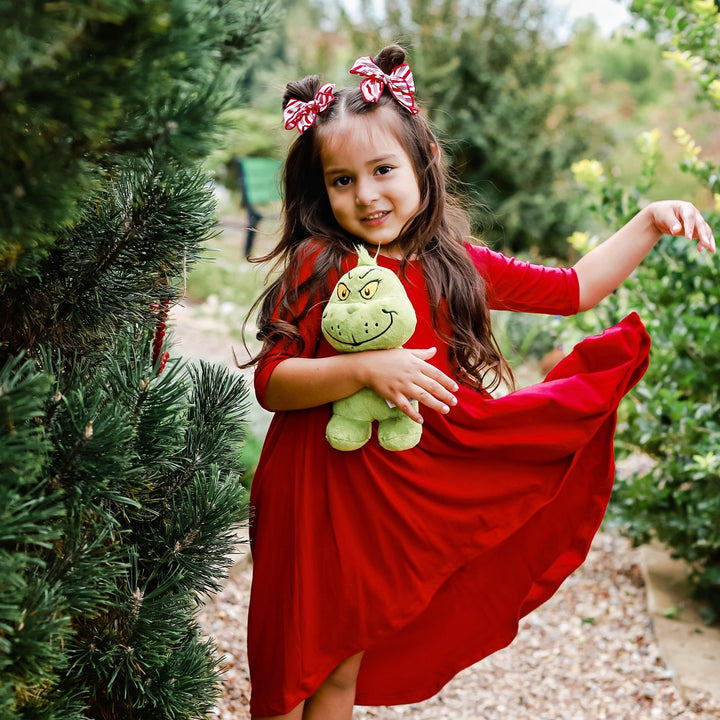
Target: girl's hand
[402, 375]
[673, 217]
[610, 263]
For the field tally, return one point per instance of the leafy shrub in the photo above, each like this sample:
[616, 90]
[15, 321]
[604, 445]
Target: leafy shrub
[674, 414]
[524, 337]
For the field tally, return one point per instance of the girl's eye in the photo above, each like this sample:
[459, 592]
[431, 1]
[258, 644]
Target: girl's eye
[342, 181]
[383, 170]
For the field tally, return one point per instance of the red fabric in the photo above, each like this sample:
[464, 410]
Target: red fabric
[302, 115]
[426, 559]
[400, 83]
[511, 285]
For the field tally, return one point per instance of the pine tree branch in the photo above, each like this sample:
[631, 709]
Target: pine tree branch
[133, 227]
[142, 397]
[70, 457]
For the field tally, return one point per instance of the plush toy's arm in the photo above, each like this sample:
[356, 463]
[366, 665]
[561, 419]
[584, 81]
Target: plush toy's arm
[396, 375]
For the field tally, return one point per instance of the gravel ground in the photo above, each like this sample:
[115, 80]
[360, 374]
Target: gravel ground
[587, 654]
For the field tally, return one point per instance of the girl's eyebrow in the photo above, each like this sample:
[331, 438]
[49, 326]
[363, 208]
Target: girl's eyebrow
[373, 161]
[390, 157]
[334, 171]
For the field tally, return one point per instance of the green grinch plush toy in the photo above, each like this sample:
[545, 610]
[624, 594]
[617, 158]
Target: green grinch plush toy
[369, 310]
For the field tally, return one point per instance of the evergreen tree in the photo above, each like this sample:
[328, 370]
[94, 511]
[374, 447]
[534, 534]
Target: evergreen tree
[119, 479]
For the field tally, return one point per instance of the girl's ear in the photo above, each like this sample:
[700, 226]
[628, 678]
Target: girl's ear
[434, 148]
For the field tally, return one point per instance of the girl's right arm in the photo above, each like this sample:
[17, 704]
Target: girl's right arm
[397, 375]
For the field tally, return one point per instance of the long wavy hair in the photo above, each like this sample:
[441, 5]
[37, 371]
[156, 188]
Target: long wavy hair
[436, 235]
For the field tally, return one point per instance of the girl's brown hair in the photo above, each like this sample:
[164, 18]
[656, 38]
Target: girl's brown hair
[436, 235]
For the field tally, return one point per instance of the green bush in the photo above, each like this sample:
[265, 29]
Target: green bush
[524, 337]
[674, 414]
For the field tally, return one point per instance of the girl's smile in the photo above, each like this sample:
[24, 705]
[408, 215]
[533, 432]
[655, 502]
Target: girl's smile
[370, 180]
[376, 218]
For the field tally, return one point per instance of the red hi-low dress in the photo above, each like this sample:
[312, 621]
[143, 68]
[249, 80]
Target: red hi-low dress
[426, 559]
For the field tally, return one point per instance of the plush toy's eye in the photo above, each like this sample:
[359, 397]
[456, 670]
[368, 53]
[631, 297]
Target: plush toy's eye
[370, 289]
[343, 291]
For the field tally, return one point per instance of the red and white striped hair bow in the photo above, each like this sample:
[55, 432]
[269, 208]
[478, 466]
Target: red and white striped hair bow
[399, 81]
[302, 115]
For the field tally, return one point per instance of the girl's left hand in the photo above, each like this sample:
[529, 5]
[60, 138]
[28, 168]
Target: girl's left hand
[675, 217]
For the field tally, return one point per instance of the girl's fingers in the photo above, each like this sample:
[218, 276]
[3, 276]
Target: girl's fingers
[697, 227]
[436, 395]
[423, 353]
[418, 380]
[426, 398]
[433, 373]
[408, 408]
[440, 380]
[688, 221]
[436, 398]
[707, 239]
[688, 216]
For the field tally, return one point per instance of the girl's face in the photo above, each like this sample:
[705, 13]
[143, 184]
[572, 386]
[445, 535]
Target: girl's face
[370, 180]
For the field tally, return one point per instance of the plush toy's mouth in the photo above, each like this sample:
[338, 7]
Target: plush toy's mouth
[335, 332]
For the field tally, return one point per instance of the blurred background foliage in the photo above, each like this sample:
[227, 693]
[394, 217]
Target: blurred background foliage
[513, 105]
[673, 417]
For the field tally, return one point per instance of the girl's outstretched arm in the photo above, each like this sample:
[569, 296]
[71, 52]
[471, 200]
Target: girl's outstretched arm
[396, 375]
[605, 267]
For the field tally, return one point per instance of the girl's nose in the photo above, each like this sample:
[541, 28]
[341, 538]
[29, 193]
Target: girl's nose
[365, 192]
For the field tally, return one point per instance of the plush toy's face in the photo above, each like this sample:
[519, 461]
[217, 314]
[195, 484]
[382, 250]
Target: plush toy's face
[368, 310]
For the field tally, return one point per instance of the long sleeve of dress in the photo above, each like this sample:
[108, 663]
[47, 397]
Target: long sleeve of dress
[306, 345]
[526, 287]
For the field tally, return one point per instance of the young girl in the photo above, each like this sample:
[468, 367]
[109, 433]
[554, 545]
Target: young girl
[379, 575]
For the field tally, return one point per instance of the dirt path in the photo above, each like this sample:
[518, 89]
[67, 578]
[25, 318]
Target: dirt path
[588, 654]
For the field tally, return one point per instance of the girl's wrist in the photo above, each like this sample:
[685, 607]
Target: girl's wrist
[648, 224]
[358, 368]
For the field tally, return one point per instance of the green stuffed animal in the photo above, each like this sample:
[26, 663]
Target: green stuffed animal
[369, 310]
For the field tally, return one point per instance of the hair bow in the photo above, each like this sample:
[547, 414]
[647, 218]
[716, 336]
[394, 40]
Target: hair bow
[399, 81]
[302, 115]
